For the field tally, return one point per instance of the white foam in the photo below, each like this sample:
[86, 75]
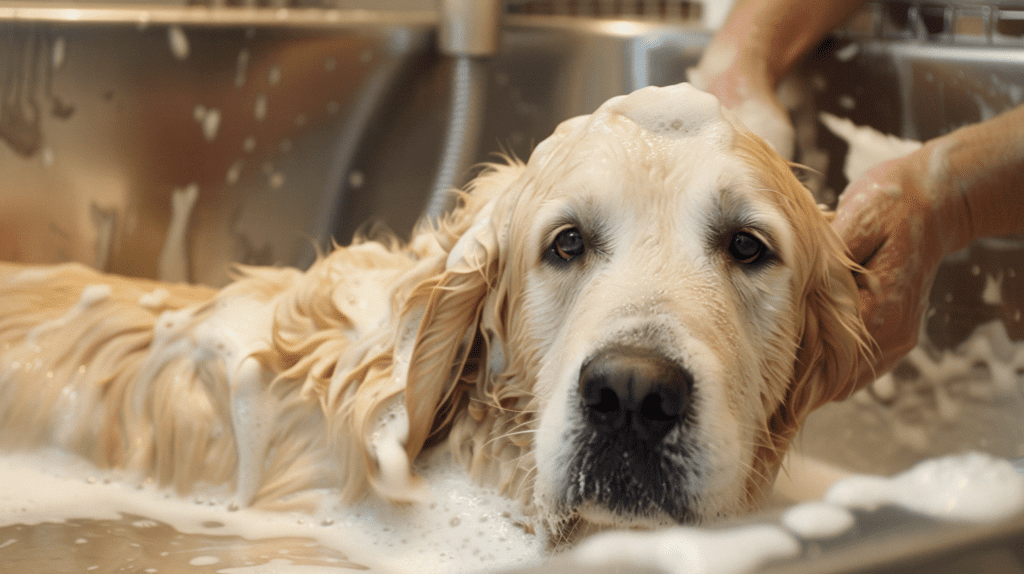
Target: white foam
[689, 550]
[467, 528]
[868, 147]
[817, 520]
[173, 261]
[679, 110]
[91, 295]
[974, 487]
[260, 108]
[985, 369]
[154, 299]
[209, 120]
[178, 42]
[993, 293]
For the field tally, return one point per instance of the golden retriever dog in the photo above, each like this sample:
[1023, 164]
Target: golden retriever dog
[626, 330]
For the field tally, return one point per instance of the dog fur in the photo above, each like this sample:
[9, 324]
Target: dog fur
[472, 336]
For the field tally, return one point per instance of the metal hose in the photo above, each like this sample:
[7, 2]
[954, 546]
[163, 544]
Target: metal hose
[468, 32]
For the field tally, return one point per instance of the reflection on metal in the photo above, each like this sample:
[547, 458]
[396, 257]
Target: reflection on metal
[142, 16]
[469, 27]
[28, 59]
[964, 22]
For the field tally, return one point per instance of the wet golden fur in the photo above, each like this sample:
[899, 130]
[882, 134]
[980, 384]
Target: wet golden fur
[285, 380]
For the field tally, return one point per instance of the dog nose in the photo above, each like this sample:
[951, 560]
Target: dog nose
[629, 389]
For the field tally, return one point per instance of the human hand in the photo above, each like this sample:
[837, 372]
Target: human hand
[751, 97]
[893, 225]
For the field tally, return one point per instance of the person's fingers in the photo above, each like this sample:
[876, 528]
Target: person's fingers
[860, 223]
[769, 120]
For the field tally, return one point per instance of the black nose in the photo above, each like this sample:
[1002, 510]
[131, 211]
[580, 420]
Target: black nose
[629, 389]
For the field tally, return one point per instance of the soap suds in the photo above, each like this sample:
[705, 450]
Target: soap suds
[173, 261]
[178, 42]
[868, 147]
[208, 119]
[993, 293]
[926, 398]
[974, 487]
[818, 520]
[91, 295]
[688, 550]
[465, 529]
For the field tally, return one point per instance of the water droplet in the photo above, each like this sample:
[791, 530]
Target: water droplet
[275, 180]
[59, 53]
[241, 68]
[209, 119]
[356, 179]
[178, 42]
[235, 172]
[260, 108]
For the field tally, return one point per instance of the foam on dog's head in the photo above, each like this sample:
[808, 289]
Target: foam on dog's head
[673, 112]
[677, 111]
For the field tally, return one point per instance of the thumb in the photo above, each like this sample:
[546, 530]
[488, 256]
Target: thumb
[857, 225]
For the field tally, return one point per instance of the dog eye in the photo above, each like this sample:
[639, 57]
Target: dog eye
[568, 244]
[746, 248]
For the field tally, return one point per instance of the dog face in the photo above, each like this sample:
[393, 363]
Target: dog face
[672, 303]
[665, 293]
[627, 331]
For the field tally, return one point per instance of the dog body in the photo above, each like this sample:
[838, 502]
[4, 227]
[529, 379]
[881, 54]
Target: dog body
[626, 330]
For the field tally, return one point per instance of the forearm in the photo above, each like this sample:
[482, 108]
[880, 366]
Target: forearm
[976, 178]
[762, 39]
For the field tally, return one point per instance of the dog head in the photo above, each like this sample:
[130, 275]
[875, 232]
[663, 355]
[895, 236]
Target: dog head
[630, 328]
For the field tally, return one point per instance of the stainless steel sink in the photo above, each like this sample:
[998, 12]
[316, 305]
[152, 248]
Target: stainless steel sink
[291, 127]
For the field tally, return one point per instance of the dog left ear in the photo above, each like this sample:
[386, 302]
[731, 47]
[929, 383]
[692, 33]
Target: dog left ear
[834, 344]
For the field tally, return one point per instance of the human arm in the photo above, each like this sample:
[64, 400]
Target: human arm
[758, 44]
[903, 216]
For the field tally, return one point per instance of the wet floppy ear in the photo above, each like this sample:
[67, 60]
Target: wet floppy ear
[452, 304]
[834, 342]
[419, 373]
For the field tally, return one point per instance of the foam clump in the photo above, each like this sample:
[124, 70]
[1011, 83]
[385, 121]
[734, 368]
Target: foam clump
[674, 111]
[975, 487]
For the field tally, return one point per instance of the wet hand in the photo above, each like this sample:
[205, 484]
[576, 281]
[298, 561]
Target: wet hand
[890, 221]
[750, 96]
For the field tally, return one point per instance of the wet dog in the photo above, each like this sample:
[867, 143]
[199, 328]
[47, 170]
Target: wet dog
[626, 330]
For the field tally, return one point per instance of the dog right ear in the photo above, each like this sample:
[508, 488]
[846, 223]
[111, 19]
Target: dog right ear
[452, 304]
